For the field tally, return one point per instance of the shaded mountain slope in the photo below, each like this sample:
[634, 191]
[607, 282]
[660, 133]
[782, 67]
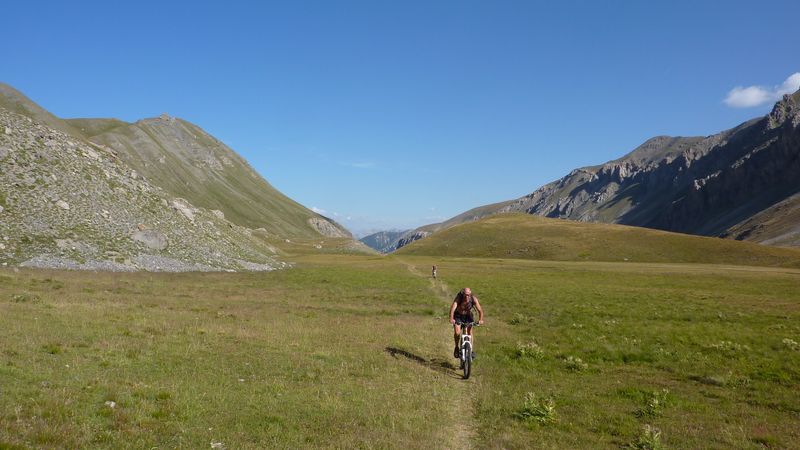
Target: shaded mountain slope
[383, 241]
[777, 225]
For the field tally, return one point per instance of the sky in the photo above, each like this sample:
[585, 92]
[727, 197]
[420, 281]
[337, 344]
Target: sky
[391, 115]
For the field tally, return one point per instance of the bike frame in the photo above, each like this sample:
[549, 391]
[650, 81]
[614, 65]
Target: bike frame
[465, 339]
[466, 342]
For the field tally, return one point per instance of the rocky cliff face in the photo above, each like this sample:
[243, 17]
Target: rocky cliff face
[692, 185]
[714, 186]
[411, 236]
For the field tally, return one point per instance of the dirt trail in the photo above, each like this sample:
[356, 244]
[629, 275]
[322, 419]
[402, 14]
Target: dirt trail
[462, 434]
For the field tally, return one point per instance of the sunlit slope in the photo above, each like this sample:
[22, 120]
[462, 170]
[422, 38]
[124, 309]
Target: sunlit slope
[531, 237]
[190, 163]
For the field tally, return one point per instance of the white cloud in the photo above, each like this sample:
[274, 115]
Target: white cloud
[791, 85]
[747, 97]
[319, 210]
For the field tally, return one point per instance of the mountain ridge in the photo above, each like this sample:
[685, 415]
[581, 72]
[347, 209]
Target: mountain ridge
[181, 201]
[696, 185]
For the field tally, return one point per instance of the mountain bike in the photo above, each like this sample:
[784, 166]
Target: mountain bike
[466, 346]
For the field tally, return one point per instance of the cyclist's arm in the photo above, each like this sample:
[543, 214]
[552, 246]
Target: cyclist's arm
[452, 312]
[478, 307]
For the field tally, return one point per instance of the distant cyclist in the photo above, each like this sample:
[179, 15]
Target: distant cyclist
[461, 313]
[433, 271]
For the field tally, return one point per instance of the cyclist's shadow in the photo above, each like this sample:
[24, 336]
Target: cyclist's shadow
[439, 365]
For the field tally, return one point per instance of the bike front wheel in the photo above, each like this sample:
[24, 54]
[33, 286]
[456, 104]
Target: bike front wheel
[467, 362]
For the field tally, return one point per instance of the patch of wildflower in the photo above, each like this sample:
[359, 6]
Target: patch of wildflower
[654, 404]
[649, 439]
[529, 350]
[541, 410]
[575, 364]
[793, 345]
[729, 347]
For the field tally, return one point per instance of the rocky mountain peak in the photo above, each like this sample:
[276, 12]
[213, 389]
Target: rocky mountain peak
[786, 110]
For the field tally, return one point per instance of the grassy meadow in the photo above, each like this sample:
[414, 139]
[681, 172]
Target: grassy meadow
[355, 352]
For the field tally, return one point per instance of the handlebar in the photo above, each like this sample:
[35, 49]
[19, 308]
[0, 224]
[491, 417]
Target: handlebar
[468, 324]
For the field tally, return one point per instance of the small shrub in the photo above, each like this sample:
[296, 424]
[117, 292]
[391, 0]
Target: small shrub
[575, 364]
[518, 319]
[649, 439]
[529, 350]
[52, 348]
[654, 404]
[538, 410]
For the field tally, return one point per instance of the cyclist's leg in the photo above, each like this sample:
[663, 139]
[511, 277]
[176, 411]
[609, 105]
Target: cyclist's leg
[456, 338]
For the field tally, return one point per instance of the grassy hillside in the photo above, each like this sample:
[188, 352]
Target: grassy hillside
[531, 237]
[189, 163]
[355, 352]
[93, 127]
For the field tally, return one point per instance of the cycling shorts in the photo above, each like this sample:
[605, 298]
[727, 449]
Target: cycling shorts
[463, 318]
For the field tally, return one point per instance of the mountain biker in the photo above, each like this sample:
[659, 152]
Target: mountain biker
[461, 313]
[433, 271]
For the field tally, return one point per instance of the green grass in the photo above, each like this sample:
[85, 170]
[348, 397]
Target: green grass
[525, 236]
[93, 127]
[354, 352]
[702, 353]
[286, 359]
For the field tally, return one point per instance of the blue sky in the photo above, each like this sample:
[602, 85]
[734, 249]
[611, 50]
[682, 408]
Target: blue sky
[397, 114]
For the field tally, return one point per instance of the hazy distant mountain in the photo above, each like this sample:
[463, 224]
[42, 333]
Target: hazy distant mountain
[738, 184]
[158, 194]
[384, 241]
